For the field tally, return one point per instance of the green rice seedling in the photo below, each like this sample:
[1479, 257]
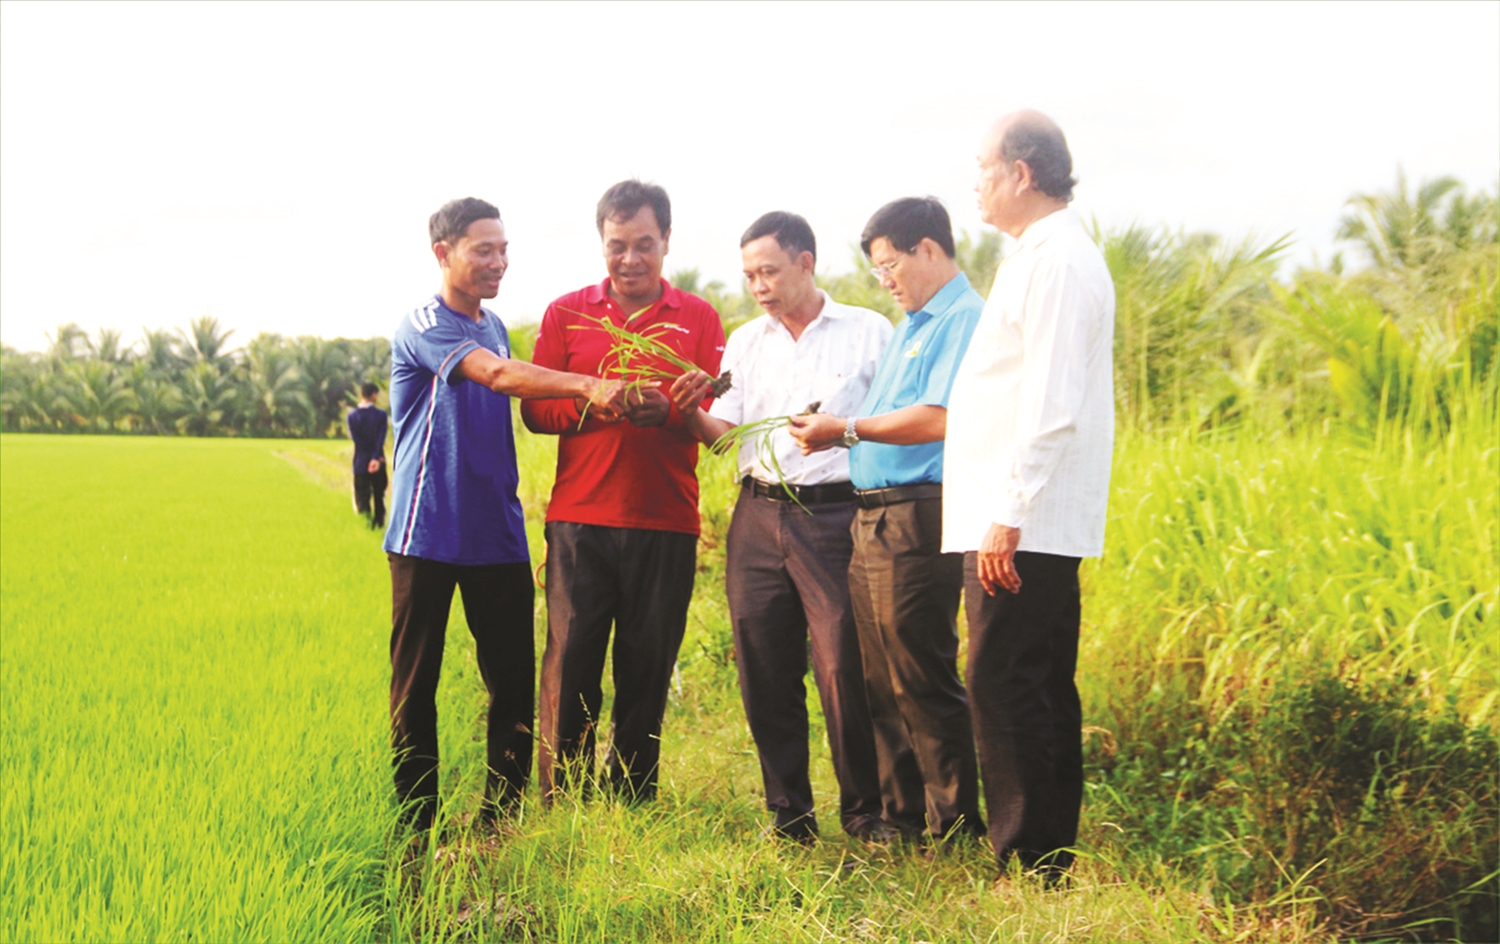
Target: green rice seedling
[637, 357]
[761, 432]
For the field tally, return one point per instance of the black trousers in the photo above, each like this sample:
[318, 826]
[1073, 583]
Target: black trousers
[905, 594]
[1023, 650]
[788, 582]
[498, 605]
[639, 582]
[369, 487]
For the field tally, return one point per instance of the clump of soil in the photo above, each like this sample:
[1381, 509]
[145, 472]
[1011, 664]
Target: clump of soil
[721, 385]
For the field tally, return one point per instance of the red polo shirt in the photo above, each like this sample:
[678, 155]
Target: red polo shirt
[616, 474]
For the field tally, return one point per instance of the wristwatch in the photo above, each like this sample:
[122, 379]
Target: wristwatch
[851, 438]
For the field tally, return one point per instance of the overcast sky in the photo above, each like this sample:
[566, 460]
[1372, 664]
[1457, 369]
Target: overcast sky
[274, 165]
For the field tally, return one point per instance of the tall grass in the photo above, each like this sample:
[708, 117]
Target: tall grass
[1291, 653]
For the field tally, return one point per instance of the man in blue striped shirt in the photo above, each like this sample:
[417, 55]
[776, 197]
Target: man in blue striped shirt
[455, 517]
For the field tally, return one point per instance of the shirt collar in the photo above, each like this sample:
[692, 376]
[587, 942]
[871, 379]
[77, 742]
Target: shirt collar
[831, 311]
[671, 297]
[1053, 222]
[484, 313]
[944, 299]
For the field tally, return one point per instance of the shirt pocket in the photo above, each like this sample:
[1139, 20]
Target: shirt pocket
[834, 392]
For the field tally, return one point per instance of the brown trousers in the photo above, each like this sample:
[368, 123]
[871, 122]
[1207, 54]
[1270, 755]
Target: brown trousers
[498, 606]
[787, 581]
[906, 594]
[639, 582]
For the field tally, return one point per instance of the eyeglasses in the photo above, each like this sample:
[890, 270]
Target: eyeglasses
[883, 272]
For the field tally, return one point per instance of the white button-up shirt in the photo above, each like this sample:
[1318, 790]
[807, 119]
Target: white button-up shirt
[1031, 420]
[833, 361]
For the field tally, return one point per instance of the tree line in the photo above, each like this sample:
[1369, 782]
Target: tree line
[1207, 337]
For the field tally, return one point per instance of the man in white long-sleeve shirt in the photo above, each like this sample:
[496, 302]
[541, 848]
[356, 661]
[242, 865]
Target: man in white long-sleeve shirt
[1029, 437]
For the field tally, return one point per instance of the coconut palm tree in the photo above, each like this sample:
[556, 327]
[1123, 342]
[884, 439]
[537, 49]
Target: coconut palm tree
[208, 399]
[97, 395]
[158, 401]
[160, 351]
[1180, 300]
[206, 341]
[68, 343]
[25, 395]
[1409, 229]
[328, 380]
[272, 400]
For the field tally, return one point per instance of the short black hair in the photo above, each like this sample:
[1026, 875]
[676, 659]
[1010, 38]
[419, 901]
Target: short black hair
[625, 199]
[1039, 142]
[369, 389]
[452, 221]
[791, 231]
[908, 221]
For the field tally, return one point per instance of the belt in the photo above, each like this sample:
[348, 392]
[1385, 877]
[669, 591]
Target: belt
[806, 494]
[895, 495]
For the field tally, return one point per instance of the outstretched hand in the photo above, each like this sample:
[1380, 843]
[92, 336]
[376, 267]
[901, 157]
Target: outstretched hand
[607, 400]
[689, 390]
[997, 559]
[815, 432]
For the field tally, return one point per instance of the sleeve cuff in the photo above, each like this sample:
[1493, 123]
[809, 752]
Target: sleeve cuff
[1010, 512]
[449, 370]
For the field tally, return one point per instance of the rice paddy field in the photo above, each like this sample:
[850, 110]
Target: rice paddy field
[1289, 667]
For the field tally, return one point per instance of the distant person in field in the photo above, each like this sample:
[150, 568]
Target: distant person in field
[906, 592]
[367, 426]
[455, 518]
[622, 526]
[789, 546]
[1030, 433]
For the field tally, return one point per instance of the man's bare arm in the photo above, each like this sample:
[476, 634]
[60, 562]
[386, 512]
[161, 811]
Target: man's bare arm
[908, 426]
[687, 393]
[530, 382]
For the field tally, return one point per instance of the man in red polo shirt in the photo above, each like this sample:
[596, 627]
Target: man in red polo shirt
[622, 527]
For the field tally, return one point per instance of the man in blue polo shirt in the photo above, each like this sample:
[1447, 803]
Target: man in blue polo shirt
[455, 518]
[904, 590]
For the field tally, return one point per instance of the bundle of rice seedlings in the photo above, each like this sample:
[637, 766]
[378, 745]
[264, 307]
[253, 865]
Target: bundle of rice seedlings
[761, 432]
[641, 358]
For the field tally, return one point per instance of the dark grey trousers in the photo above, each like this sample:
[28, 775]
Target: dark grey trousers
[1023, 650]
[498, 605]
[639, 582]
[905, 594]
[788, 584]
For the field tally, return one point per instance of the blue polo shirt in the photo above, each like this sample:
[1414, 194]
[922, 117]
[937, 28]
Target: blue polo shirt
[454, 465]
[917, 369]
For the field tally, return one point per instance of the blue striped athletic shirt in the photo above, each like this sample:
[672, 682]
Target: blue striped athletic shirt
[453, 468]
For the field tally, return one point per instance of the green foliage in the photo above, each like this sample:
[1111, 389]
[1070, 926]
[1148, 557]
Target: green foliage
[1185, 306]
[188, 383]
[1252, 587]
